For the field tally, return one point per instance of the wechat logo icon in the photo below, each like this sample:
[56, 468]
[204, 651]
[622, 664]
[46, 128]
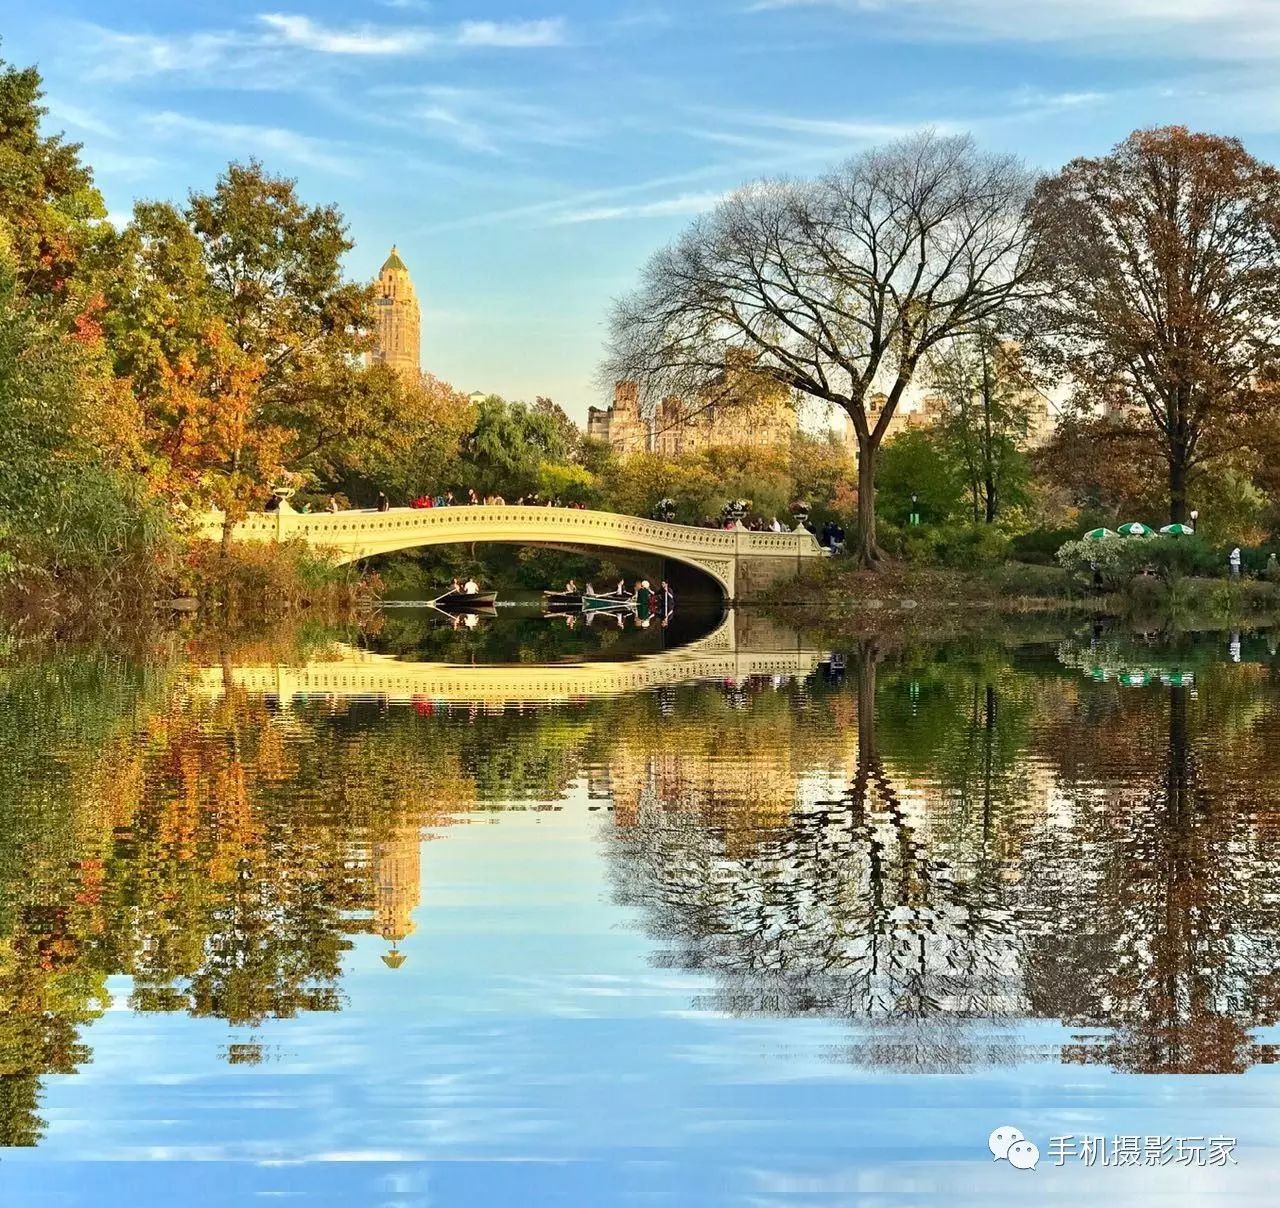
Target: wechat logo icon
[1008, 1144]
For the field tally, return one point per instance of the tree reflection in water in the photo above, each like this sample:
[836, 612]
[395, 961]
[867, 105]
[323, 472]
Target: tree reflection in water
[1104, 857]
[951, 843]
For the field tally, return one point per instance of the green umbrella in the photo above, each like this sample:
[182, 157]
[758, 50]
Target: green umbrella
[1177, 530]
[1099, 534]
[1135, 528]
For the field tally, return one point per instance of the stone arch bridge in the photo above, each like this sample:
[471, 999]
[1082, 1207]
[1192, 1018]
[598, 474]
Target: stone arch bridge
[742, 563]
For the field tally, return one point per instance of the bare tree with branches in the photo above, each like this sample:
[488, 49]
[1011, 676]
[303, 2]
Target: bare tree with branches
[835, 288]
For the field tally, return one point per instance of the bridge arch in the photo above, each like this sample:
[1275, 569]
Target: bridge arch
[354, 535]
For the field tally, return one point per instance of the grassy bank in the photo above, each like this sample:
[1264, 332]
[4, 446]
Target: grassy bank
[250, 588]
[837, 599]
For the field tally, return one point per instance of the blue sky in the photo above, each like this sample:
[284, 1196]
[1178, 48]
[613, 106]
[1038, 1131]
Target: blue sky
[527, 157]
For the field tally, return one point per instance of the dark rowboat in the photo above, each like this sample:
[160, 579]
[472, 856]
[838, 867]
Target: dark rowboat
[562, 599]
[461, 601]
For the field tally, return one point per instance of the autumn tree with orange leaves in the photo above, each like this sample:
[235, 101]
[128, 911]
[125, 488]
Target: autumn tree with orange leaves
[1162, 262]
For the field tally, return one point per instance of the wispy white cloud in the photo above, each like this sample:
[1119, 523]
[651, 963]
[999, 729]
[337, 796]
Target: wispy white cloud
[487, 120]
[845, 130]
[682, 205]
[1222, 29]
[280, 50]
[240, 138]
[385, 40]
[356, 40]
[514, 35]
[80, 118]
[109, 56]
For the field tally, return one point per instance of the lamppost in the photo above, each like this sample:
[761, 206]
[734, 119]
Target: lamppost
[915, 509]
[1195, 515]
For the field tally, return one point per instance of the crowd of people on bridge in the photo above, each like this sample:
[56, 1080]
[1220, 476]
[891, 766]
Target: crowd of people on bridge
[832, 535]
[473, 499]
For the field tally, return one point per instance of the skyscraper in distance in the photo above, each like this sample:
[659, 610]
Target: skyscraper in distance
[399, 319]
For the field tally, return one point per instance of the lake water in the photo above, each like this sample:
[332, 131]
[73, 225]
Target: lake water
[368, 932]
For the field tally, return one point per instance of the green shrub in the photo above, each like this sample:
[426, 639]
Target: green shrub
[1041, 544]
[1120, 559]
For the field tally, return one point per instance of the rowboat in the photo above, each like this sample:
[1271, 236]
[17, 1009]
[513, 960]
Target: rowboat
[461, 601]
[562, 599]
[607, 603]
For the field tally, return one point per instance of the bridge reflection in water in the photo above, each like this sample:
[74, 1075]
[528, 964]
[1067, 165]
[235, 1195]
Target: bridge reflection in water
[743, 645]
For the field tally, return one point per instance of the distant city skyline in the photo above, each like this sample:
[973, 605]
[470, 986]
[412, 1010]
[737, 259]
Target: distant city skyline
[527, 158]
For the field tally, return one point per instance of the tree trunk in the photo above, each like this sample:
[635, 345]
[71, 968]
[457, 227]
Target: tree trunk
[227, 525]
[1177, 487]
[868, 551]
[988, 458]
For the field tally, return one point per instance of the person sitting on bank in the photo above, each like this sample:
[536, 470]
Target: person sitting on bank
[470, 587]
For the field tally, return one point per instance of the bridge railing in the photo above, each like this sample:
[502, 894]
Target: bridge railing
[512, 522]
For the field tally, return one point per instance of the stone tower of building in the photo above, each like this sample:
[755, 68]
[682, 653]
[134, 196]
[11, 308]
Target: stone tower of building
[399, 319]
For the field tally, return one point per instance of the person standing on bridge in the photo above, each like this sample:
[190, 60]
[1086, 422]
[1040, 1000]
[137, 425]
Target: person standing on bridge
[384, 504]
[333, 504]
[472, 498]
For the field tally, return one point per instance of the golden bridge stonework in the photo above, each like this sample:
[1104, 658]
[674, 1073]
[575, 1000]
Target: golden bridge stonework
[743, 563]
